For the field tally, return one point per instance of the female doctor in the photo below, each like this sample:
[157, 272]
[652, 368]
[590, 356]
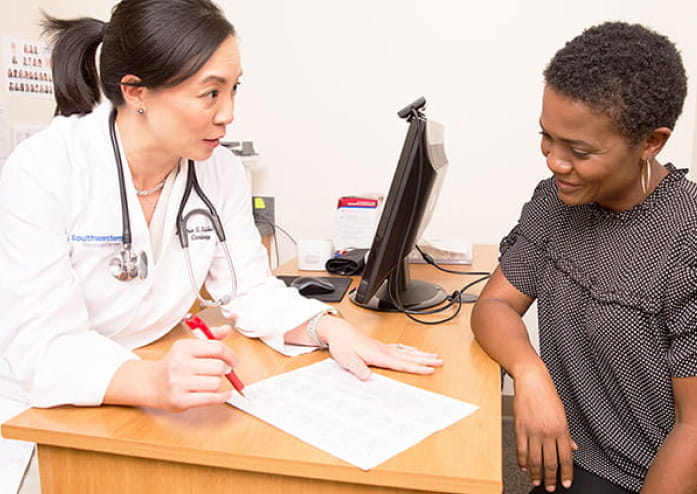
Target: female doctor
[95, 211]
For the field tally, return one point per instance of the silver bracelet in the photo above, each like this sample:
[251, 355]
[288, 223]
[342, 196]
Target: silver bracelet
[312, 330]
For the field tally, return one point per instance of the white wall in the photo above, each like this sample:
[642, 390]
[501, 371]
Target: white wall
[323, 81]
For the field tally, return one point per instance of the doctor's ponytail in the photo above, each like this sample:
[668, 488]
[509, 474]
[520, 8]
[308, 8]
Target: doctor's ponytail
[162, 42]
[75, 77]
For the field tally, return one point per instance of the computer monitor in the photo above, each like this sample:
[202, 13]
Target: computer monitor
[386, 284]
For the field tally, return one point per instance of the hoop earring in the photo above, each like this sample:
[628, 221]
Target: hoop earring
[646, 177]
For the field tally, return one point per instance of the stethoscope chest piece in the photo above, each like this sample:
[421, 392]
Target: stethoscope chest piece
[128, 265]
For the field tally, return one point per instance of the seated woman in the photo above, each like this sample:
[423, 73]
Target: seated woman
[608, 248]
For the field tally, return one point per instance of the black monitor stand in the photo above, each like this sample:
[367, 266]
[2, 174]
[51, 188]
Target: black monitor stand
[410, 294]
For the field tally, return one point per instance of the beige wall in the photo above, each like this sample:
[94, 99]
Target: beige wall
[319, 98]
[20, 19]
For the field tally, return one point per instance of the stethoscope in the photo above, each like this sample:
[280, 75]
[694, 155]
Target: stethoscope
[128, 265]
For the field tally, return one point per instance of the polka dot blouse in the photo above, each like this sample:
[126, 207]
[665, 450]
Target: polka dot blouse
[617, 308]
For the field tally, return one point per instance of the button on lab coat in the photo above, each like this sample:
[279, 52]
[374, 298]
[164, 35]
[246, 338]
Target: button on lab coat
[67, 324]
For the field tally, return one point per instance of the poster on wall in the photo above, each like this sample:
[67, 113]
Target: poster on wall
[27, 66]
[4, 136]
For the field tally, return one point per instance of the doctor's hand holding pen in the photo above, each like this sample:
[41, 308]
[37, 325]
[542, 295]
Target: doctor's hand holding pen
[190, 374]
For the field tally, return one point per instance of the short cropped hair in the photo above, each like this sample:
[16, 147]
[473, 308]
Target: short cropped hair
[626, 71]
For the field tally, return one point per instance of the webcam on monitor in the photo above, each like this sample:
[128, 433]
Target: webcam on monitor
[413, 108]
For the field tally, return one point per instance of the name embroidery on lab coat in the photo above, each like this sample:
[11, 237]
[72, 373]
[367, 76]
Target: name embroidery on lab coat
[200, 232]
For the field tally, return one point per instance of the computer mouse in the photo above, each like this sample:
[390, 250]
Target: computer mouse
[309, 285]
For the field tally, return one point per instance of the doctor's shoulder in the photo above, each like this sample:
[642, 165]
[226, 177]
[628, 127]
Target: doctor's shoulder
[224, 179]
[47, 145]
[35, 154]
[57, 148]
[32, 173]
[227, 160]
[223, 168]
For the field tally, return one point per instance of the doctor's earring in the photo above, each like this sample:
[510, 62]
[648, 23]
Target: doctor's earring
[141, 111]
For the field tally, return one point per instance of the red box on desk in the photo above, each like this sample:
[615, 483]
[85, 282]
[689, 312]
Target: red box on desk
[356, 220]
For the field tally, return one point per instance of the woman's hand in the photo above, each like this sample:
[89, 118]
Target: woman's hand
[189, 375]
[354, 351]
[544, 444]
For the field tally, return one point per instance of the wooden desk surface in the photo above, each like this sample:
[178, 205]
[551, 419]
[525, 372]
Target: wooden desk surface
[464, 458]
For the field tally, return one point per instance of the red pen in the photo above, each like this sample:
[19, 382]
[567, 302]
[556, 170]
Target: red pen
[196, 323]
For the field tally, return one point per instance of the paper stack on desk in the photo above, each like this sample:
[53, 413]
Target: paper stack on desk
[444, 251]
[363, 423]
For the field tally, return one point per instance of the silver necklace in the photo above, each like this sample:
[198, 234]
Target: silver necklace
[141, 193]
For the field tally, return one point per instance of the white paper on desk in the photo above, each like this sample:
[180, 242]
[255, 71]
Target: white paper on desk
[14, 455]
[363, 423]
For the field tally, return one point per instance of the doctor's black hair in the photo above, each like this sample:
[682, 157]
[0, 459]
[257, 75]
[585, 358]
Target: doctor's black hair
[628, 72]
[162, 42]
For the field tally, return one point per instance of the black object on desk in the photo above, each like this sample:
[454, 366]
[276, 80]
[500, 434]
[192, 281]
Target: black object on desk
[340, 283]
[349, 263]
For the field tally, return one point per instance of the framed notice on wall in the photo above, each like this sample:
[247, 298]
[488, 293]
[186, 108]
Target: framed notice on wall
[27, 67]
[4, 136]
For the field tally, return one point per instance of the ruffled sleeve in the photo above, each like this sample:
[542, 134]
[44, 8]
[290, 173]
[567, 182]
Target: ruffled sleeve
[521, 250]
[518, 262]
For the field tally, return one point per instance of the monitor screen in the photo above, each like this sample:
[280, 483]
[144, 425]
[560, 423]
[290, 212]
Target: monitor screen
[386, 284]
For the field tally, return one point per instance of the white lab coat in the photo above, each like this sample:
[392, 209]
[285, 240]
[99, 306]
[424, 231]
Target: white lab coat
[66, 323]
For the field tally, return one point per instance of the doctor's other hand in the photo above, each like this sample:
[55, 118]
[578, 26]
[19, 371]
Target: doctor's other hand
[355, 351]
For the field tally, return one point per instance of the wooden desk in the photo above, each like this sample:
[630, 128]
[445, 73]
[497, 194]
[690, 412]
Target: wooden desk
[220, 449]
